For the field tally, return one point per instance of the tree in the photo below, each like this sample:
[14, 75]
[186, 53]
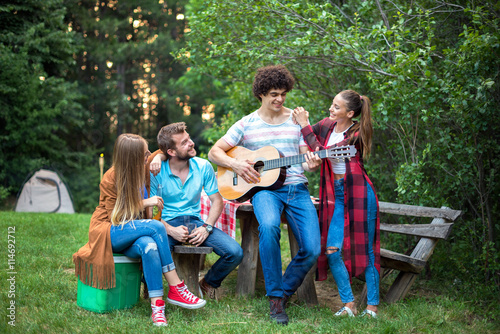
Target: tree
[39, 108]
[131, 78]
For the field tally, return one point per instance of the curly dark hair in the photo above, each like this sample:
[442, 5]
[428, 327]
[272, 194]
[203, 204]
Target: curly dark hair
[272, 77]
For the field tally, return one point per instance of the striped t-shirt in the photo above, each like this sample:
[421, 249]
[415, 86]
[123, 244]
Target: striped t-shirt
[253, 133]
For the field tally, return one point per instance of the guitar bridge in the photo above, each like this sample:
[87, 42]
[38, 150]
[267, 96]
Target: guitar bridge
[235, 179]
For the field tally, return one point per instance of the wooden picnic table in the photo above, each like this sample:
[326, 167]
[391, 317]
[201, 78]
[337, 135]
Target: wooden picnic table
[409, 266]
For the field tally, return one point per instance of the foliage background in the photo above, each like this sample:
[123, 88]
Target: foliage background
[74, 75]
[431, 69]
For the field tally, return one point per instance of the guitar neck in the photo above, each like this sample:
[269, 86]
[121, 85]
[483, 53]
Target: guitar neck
[292, 160]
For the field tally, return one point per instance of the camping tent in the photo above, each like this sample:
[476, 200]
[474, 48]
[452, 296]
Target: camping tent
[44, 192]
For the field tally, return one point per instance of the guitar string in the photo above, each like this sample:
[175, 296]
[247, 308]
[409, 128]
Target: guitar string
[295, 160]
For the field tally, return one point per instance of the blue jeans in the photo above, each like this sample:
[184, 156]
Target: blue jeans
[227, 248]
[302, 219]
[145, 239]
[336, 240]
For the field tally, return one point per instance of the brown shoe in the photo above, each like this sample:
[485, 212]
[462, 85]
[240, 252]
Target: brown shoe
[278, 312]
[209, 292]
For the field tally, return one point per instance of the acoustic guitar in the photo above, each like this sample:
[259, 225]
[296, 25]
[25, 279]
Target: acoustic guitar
[272, 168]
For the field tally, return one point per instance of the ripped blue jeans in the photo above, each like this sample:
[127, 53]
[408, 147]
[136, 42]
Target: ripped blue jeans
[336, 241]
[146, 239]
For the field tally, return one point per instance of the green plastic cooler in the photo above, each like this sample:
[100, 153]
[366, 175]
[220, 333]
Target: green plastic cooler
[124, 295]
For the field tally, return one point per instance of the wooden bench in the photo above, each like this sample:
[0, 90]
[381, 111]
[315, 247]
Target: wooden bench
[187, 263]
[408, 265]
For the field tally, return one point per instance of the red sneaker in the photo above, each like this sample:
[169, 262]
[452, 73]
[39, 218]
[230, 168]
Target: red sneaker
[180, 295]
[158, 315]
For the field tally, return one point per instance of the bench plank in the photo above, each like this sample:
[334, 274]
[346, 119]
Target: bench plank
[438, 231]
[419, 211]
[393, 260]
[179, 249]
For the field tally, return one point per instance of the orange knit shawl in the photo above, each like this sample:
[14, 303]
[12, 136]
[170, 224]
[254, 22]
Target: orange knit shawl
[94, 263]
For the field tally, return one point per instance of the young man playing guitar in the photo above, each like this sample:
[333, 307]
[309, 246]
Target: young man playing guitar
[272, 124]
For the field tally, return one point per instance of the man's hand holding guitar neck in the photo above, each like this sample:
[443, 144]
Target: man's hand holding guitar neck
[313, 161]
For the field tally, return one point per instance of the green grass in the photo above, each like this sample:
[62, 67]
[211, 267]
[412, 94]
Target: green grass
[46, 293]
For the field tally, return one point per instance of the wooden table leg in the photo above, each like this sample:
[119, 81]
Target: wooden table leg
[307, 290]
[187, 263]
[247, 271]
[187, 266]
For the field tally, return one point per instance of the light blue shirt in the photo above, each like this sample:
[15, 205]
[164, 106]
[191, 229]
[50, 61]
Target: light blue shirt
[184, 199]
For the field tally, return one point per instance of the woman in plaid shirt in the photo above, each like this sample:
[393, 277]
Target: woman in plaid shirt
[352, 227]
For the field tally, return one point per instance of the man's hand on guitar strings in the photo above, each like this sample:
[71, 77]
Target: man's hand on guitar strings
[244, 168]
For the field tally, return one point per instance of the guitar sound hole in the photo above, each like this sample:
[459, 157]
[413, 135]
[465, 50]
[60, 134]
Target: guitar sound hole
[259, 165]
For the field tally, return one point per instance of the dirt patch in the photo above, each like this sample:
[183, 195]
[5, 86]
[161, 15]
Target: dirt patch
[328, 294]
[326, 291]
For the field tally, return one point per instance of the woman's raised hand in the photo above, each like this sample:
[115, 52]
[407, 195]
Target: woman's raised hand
[301, 116]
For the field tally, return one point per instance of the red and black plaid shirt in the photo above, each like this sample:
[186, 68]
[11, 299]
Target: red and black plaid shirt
[355, 249]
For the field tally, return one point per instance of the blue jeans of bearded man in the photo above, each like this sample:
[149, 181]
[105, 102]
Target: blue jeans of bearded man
[336, 240]
[295, 201]
[227, 248]
[146, 239]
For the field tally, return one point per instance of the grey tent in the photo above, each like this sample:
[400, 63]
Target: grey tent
[44, 192]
